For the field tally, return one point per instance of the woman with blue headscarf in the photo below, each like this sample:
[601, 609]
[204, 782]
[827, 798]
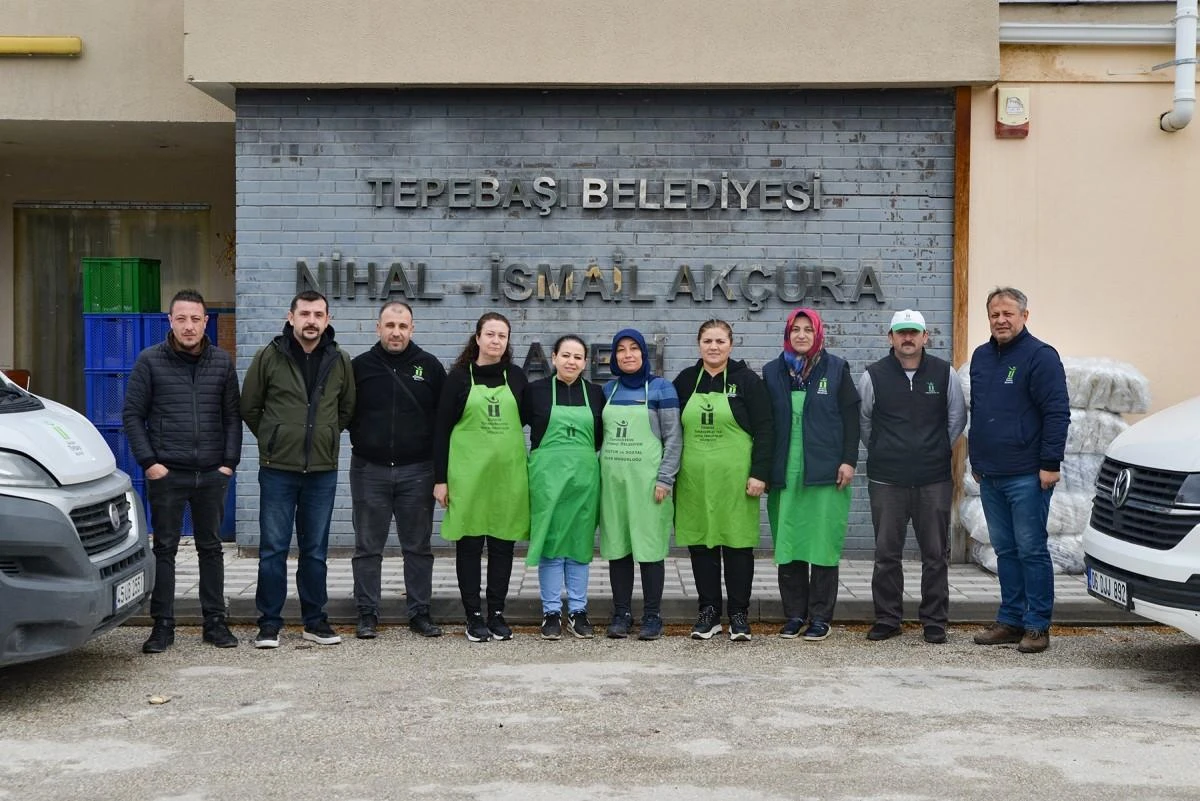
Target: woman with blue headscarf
[638, 462]
[815, 406]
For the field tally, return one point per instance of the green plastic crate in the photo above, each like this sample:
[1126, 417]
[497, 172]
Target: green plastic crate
[120, 285]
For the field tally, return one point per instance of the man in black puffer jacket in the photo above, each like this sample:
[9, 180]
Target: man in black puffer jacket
[184, 428]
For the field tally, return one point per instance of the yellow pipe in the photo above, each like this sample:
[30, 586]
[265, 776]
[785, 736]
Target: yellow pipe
[40, 45]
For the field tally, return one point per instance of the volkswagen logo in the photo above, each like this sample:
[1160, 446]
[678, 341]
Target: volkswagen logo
[114, 516]
[1120, 487]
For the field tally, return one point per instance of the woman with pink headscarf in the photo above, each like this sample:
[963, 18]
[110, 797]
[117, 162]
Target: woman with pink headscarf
[815, 406]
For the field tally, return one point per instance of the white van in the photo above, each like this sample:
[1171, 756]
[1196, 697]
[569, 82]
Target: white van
[75, 558]
[1142, 545]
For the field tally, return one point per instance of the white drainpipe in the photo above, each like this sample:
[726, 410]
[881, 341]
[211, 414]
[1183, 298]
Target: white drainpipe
[1185, 68]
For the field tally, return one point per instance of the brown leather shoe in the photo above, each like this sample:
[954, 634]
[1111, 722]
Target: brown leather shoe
[999, 634]
[1034, 642]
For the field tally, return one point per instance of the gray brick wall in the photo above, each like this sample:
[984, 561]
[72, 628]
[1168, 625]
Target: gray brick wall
[885, 159]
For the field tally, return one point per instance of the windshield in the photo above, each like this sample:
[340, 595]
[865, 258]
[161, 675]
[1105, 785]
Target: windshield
[15, 399]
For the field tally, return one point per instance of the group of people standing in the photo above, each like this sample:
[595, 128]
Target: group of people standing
[637, 458]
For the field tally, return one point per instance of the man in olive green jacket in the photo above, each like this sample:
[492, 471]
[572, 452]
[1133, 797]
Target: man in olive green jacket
[297, 398]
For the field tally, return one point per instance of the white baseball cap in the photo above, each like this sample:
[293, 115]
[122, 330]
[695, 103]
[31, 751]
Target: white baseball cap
[908, 320]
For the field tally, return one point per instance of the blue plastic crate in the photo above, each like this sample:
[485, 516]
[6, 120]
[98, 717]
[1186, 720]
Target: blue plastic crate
[110, 341]
[119, 445]
[105, 396]
[156, 326]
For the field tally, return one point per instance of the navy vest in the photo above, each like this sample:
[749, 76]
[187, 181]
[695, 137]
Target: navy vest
[910, 443]
[823, 434]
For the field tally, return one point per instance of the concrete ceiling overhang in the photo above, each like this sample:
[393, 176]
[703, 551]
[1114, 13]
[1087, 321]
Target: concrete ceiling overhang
[230, 44]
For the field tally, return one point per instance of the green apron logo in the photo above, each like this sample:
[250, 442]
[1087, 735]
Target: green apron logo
[707, 416]
[493, 406]
[622, 429]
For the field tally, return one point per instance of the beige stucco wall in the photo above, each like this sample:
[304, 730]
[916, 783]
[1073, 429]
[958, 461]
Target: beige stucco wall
[1094, 214]
[147, 180]
[619, 42]
[131, 67]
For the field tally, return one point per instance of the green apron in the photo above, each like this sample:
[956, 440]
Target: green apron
[630, 520]
[486, 475]
[712, 506]
[564, 485]
[808, 524]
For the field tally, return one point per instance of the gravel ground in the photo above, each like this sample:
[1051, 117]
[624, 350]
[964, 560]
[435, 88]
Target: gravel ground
[1106, 713]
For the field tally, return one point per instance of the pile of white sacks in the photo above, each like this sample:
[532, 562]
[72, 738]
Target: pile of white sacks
[1101, 390]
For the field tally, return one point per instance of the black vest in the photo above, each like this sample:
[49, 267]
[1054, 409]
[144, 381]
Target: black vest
[910, 443]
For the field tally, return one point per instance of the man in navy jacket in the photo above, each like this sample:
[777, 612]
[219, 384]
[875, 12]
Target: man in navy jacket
[1019, 419]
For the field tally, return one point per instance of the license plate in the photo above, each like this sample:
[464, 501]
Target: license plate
[129, 591]
[1108, 588]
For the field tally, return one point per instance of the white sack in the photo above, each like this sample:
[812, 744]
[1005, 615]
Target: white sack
[970, 516]
[1100, 383]
[1092, 430]
[983, 555]
[1069, 513]
[1066, 553]
[1079, 472]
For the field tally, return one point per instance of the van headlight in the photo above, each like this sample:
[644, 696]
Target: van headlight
[1189, 492]
[21, 471]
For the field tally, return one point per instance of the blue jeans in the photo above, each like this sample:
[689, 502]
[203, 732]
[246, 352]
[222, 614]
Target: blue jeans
[1016, 509]
[304, 501]
[551, 574]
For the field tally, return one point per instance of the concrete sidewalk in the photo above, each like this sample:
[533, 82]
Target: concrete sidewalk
[974, 593]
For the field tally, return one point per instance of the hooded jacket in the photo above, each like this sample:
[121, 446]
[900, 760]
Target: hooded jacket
[299, 429]
[392, 426]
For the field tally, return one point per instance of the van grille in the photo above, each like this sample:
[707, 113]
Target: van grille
[94, 524]
[1149, 516]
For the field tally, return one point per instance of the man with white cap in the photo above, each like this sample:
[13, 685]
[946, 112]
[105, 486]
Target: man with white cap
[913, 410]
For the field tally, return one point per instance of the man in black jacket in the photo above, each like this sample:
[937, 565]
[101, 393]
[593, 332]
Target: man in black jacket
[391, 467]
[181, 418]
[912, 412]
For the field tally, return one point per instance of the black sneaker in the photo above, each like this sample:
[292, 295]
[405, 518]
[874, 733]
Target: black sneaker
[934, 634]
[817, 631]
[368, 626]
[620, 626]
[162, 637]
[268, 637]
[739, 627]
[651, 628]
[499, 627]
[421, 623]
[477, 629]
[792, 628]
[322, 634]
[708, 624]
[579, 625]
[218, 633]
[883, 631]
[551, 625]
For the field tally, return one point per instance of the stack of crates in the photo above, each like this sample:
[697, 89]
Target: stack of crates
[121, 318]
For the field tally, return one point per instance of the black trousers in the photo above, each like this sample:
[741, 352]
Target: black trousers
[928, 507]
[467, 554]
[808, 591]
[739, 575]
[205, 493]
[654, 576]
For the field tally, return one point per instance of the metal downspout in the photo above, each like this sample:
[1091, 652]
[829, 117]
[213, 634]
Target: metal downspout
[1185, 68]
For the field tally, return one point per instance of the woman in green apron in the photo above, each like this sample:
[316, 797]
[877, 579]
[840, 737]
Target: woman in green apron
[479, 471]
[638, 462]
[727, 440]
[565, 428]
[815, 405]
